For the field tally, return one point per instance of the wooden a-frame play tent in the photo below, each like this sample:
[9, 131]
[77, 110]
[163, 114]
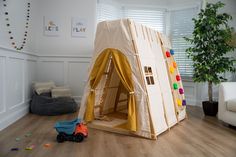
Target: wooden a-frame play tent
[134, 86]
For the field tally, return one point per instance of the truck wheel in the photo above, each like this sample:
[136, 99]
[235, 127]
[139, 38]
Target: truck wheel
[61, 137]
[79, 137]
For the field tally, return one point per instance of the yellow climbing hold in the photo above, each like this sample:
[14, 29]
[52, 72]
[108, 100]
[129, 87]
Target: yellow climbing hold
[172, 69]
[179, 102]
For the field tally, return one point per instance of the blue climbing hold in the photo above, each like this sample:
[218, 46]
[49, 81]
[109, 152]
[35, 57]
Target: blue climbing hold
[172, 52]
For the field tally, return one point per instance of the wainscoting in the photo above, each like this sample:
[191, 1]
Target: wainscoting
[17, 71]
[68, 71]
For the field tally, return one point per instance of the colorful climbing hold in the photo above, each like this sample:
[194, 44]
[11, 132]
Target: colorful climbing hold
[172, 69]
[14, 149]
[47, 145]
[184, 103]
[17, 139]
[178, 78]
[28, 134]
[181, 91]
[179, 102]
[167, 54]
[172, 52]
[174, 64]
[30, 147]
[175, 86]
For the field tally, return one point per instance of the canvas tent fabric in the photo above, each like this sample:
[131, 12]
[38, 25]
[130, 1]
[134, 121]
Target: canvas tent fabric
[129, 80]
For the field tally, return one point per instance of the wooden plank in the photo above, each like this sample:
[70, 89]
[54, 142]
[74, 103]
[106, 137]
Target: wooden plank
[105, 90]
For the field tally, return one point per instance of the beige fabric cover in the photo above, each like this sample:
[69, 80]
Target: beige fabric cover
[61, 92]
[43, 87]
[140, 45]
[231, 105]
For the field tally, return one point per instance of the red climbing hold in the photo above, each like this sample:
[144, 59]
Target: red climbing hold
[167, 54]
[178, 78]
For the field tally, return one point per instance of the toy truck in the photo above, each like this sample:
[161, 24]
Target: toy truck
[72, 130]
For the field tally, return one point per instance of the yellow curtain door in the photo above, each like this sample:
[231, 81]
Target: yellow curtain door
[124, 71]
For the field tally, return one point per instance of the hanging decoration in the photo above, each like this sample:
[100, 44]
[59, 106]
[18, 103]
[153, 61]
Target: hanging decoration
[16, 45]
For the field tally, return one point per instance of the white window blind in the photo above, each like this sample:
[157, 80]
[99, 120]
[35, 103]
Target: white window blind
[153, 18]
[107, 11]
[182, 26]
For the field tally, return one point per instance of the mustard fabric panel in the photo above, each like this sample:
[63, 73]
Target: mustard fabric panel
[95, 77]
[124, 71]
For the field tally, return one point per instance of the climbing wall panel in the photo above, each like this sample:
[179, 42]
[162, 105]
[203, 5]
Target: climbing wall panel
[174, 77]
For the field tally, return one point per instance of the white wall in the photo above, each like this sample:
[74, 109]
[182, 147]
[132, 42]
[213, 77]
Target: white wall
[17, 17]
[70, 71]
[63, 59]
[65, 10]
[17, 71]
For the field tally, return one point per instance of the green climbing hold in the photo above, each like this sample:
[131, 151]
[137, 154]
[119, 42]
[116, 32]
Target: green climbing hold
[17, 139]
[175, 86]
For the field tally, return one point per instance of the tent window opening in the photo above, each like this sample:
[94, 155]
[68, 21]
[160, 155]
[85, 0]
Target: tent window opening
[149, 75]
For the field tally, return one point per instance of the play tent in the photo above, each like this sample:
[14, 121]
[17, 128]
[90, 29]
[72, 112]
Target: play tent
[133, 85]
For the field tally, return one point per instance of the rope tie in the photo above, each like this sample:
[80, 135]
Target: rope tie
[131, 93]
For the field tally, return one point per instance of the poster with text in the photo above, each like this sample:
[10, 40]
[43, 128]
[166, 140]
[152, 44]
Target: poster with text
[51, 26]
[78, 27]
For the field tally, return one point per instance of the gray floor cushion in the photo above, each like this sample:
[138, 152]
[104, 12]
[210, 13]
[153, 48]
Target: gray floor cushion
[44, 104]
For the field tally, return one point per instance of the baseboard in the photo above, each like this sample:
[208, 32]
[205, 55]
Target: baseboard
[13, 117]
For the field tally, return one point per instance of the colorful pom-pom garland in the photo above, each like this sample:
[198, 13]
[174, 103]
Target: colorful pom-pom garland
[7, 19]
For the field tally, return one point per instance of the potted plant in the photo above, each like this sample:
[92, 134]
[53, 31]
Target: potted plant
[210, 42]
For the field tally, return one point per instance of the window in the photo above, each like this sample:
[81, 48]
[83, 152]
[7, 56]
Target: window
[153, 18]
[149, 75]
[107, 11]
[182, 26]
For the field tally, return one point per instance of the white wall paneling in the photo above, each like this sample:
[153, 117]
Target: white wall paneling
[17, 70]
[51, 71]
[65, 70]
[30, 76]
[77, 75]
[14, 83]
[2, 83]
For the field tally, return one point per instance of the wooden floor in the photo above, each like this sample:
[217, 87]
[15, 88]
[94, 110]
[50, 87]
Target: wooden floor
[198, 136]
